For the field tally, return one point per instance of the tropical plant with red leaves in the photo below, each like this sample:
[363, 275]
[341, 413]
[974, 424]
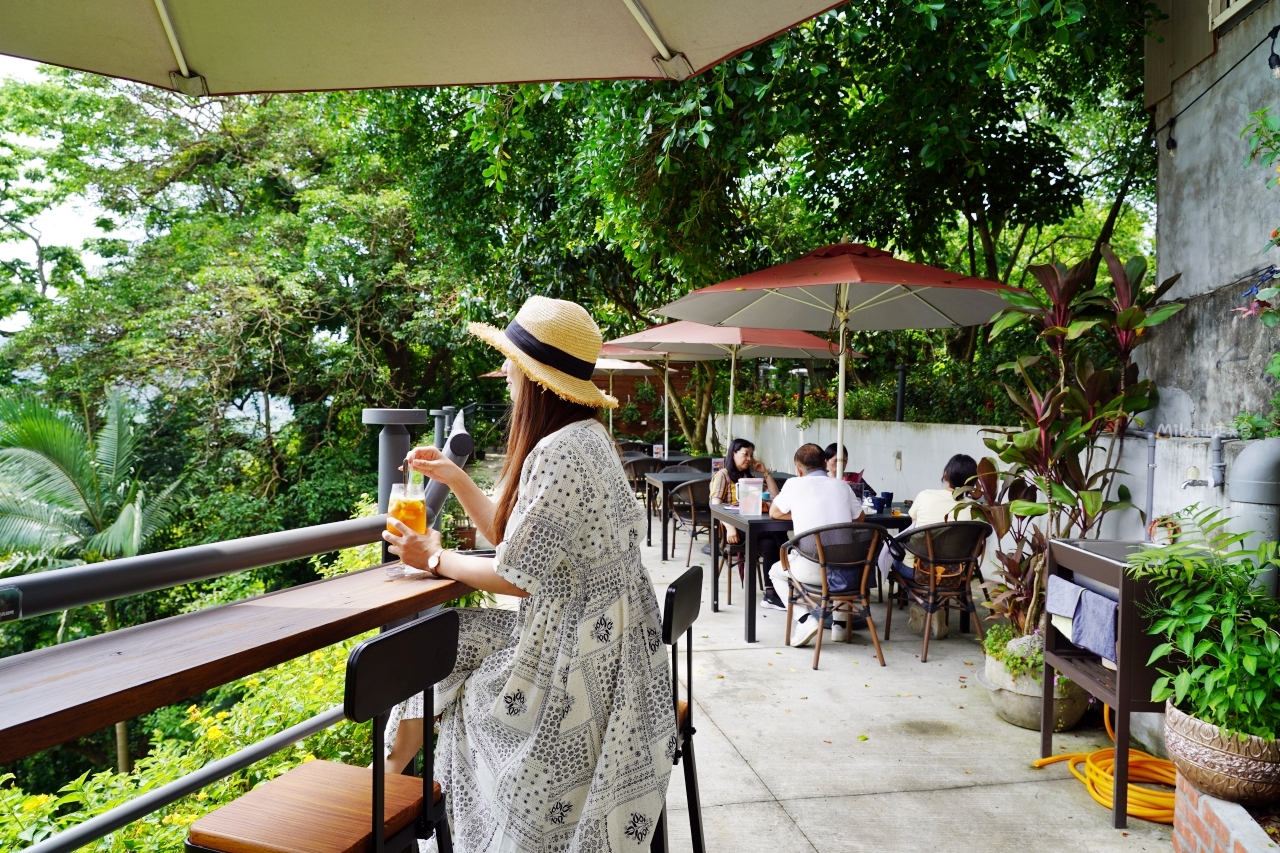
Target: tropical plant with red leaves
[1058, 473]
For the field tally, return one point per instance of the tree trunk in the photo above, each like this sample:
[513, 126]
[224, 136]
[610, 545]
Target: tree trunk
[1109, 226]
[124, 761]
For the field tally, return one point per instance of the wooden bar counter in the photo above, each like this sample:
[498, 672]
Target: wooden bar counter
[54, 694]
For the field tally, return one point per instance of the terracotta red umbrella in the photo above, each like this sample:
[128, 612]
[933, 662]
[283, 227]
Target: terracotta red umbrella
[845, 286]
[699, 340]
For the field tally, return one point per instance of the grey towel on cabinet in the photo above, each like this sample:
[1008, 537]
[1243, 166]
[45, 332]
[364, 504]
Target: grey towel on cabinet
[1094, 628]
[1061, 597]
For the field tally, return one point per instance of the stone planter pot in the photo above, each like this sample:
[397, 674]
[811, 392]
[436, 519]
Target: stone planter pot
[1017, 700]
[1242, 769]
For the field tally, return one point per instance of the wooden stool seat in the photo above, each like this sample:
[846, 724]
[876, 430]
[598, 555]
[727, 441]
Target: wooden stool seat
[317, 807]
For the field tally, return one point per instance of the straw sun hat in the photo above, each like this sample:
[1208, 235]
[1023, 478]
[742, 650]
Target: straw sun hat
[556, 344]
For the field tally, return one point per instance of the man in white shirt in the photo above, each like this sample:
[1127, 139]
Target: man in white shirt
[812, 499]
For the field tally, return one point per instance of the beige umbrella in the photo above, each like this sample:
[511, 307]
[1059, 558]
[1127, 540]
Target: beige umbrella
[625, 353]
[238, 46]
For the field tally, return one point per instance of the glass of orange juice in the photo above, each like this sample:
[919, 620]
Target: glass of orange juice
[407, 504]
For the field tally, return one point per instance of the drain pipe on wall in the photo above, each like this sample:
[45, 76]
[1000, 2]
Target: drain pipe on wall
[1150, 502]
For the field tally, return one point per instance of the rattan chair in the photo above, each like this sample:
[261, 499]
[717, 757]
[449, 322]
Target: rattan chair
[680, 611]
[851, 550]
[325, 807]
[691, 508]
[948, 557]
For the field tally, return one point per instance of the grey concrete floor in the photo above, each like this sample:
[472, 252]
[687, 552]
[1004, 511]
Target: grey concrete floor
[854, 756]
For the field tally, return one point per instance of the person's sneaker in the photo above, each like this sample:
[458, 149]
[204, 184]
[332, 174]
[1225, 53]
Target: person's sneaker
[772, 601]
[839, 633]
[706, 549]
[804, 630]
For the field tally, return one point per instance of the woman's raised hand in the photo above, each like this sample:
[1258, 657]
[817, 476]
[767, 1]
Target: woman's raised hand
[757, 465]
[431, 462]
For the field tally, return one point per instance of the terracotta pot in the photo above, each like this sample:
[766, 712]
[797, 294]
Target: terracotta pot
[1240, 768]
[1017, 700]
[466, 537]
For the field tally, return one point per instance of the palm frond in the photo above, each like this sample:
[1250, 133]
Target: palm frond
[44, 455]
[115, 446]
[33, 526]
[123, 538]
[26, 564]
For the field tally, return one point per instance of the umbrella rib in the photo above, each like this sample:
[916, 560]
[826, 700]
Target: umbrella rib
[810, 302]
[646, 23]
[903, 292]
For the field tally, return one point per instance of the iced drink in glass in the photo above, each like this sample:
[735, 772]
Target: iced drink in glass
[407, 504]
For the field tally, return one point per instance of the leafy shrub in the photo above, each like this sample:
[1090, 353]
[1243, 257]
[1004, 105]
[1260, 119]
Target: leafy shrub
[1220, 630]
[645, 392]
[272, 700]
[629, 412]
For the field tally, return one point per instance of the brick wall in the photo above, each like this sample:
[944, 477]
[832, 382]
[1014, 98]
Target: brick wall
[1204, 824]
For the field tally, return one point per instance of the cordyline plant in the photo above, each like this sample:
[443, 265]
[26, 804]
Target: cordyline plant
[1052, 477]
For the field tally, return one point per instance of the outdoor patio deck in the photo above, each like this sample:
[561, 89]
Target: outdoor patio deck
[782, 770]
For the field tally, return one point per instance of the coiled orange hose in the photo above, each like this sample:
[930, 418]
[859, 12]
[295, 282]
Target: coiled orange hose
[1099, 777]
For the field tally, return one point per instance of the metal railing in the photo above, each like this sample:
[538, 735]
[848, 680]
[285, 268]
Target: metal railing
[26, 596]
[79, 586]
[108, 822]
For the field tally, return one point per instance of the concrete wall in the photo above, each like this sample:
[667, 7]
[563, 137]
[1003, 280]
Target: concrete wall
[1213, 219]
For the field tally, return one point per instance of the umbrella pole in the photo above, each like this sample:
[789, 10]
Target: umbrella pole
[843, 311]
[733, 382]
[611, 410]
[666, 403]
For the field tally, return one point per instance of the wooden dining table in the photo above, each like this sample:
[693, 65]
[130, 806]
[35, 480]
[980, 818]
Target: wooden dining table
[58, 693]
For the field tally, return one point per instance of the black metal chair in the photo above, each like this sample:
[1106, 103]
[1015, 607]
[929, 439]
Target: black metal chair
[323, 806]
[947, 556]
[700, 463]
[691, 508]
[680, 611]
[844, 552]
[636, 468]
[636, 447]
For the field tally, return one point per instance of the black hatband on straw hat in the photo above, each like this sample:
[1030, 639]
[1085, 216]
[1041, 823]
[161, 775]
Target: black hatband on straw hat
[547, 354]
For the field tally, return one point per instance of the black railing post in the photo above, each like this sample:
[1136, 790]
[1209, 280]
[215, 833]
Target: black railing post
[393, 446]
[441, 427]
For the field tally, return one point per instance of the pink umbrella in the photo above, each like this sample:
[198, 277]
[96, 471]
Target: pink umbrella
[845, 286]
[697, 340]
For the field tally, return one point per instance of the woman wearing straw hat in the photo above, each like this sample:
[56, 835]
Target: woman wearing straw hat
[556, 727]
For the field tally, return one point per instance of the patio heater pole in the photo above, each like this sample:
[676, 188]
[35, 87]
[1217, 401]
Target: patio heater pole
[842, 310]
[393, 446]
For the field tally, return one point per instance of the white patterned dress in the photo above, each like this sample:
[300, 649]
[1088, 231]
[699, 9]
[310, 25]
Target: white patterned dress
[557, 731]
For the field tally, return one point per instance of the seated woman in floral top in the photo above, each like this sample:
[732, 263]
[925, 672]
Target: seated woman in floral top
[740, 461]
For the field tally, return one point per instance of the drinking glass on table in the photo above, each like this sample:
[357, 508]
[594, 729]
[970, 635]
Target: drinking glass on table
[408, 505]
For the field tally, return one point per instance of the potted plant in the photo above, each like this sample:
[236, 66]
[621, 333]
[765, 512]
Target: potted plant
[1222, 652]
[1058, 468]
[459, 531]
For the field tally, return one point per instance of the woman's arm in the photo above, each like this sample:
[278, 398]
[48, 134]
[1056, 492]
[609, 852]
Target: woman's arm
[430, 462]
[415, 549]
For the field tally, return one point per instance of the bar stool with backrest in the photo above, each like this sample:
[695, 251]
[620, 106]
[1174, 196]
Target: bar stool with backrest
[848, 556]
[691, 507]
[679, 612]
[948, 556]
[326, 807]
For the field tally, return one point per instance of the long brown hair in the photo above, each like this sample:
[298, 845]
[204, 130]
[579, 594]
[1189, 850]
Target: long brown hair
[537, 413]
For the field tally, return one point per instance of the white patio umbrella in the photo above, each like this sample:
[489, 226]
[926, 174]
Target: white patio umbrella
[611, 366]
[625, 353]
[845, 286]
[715, 342]
[240, 46]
